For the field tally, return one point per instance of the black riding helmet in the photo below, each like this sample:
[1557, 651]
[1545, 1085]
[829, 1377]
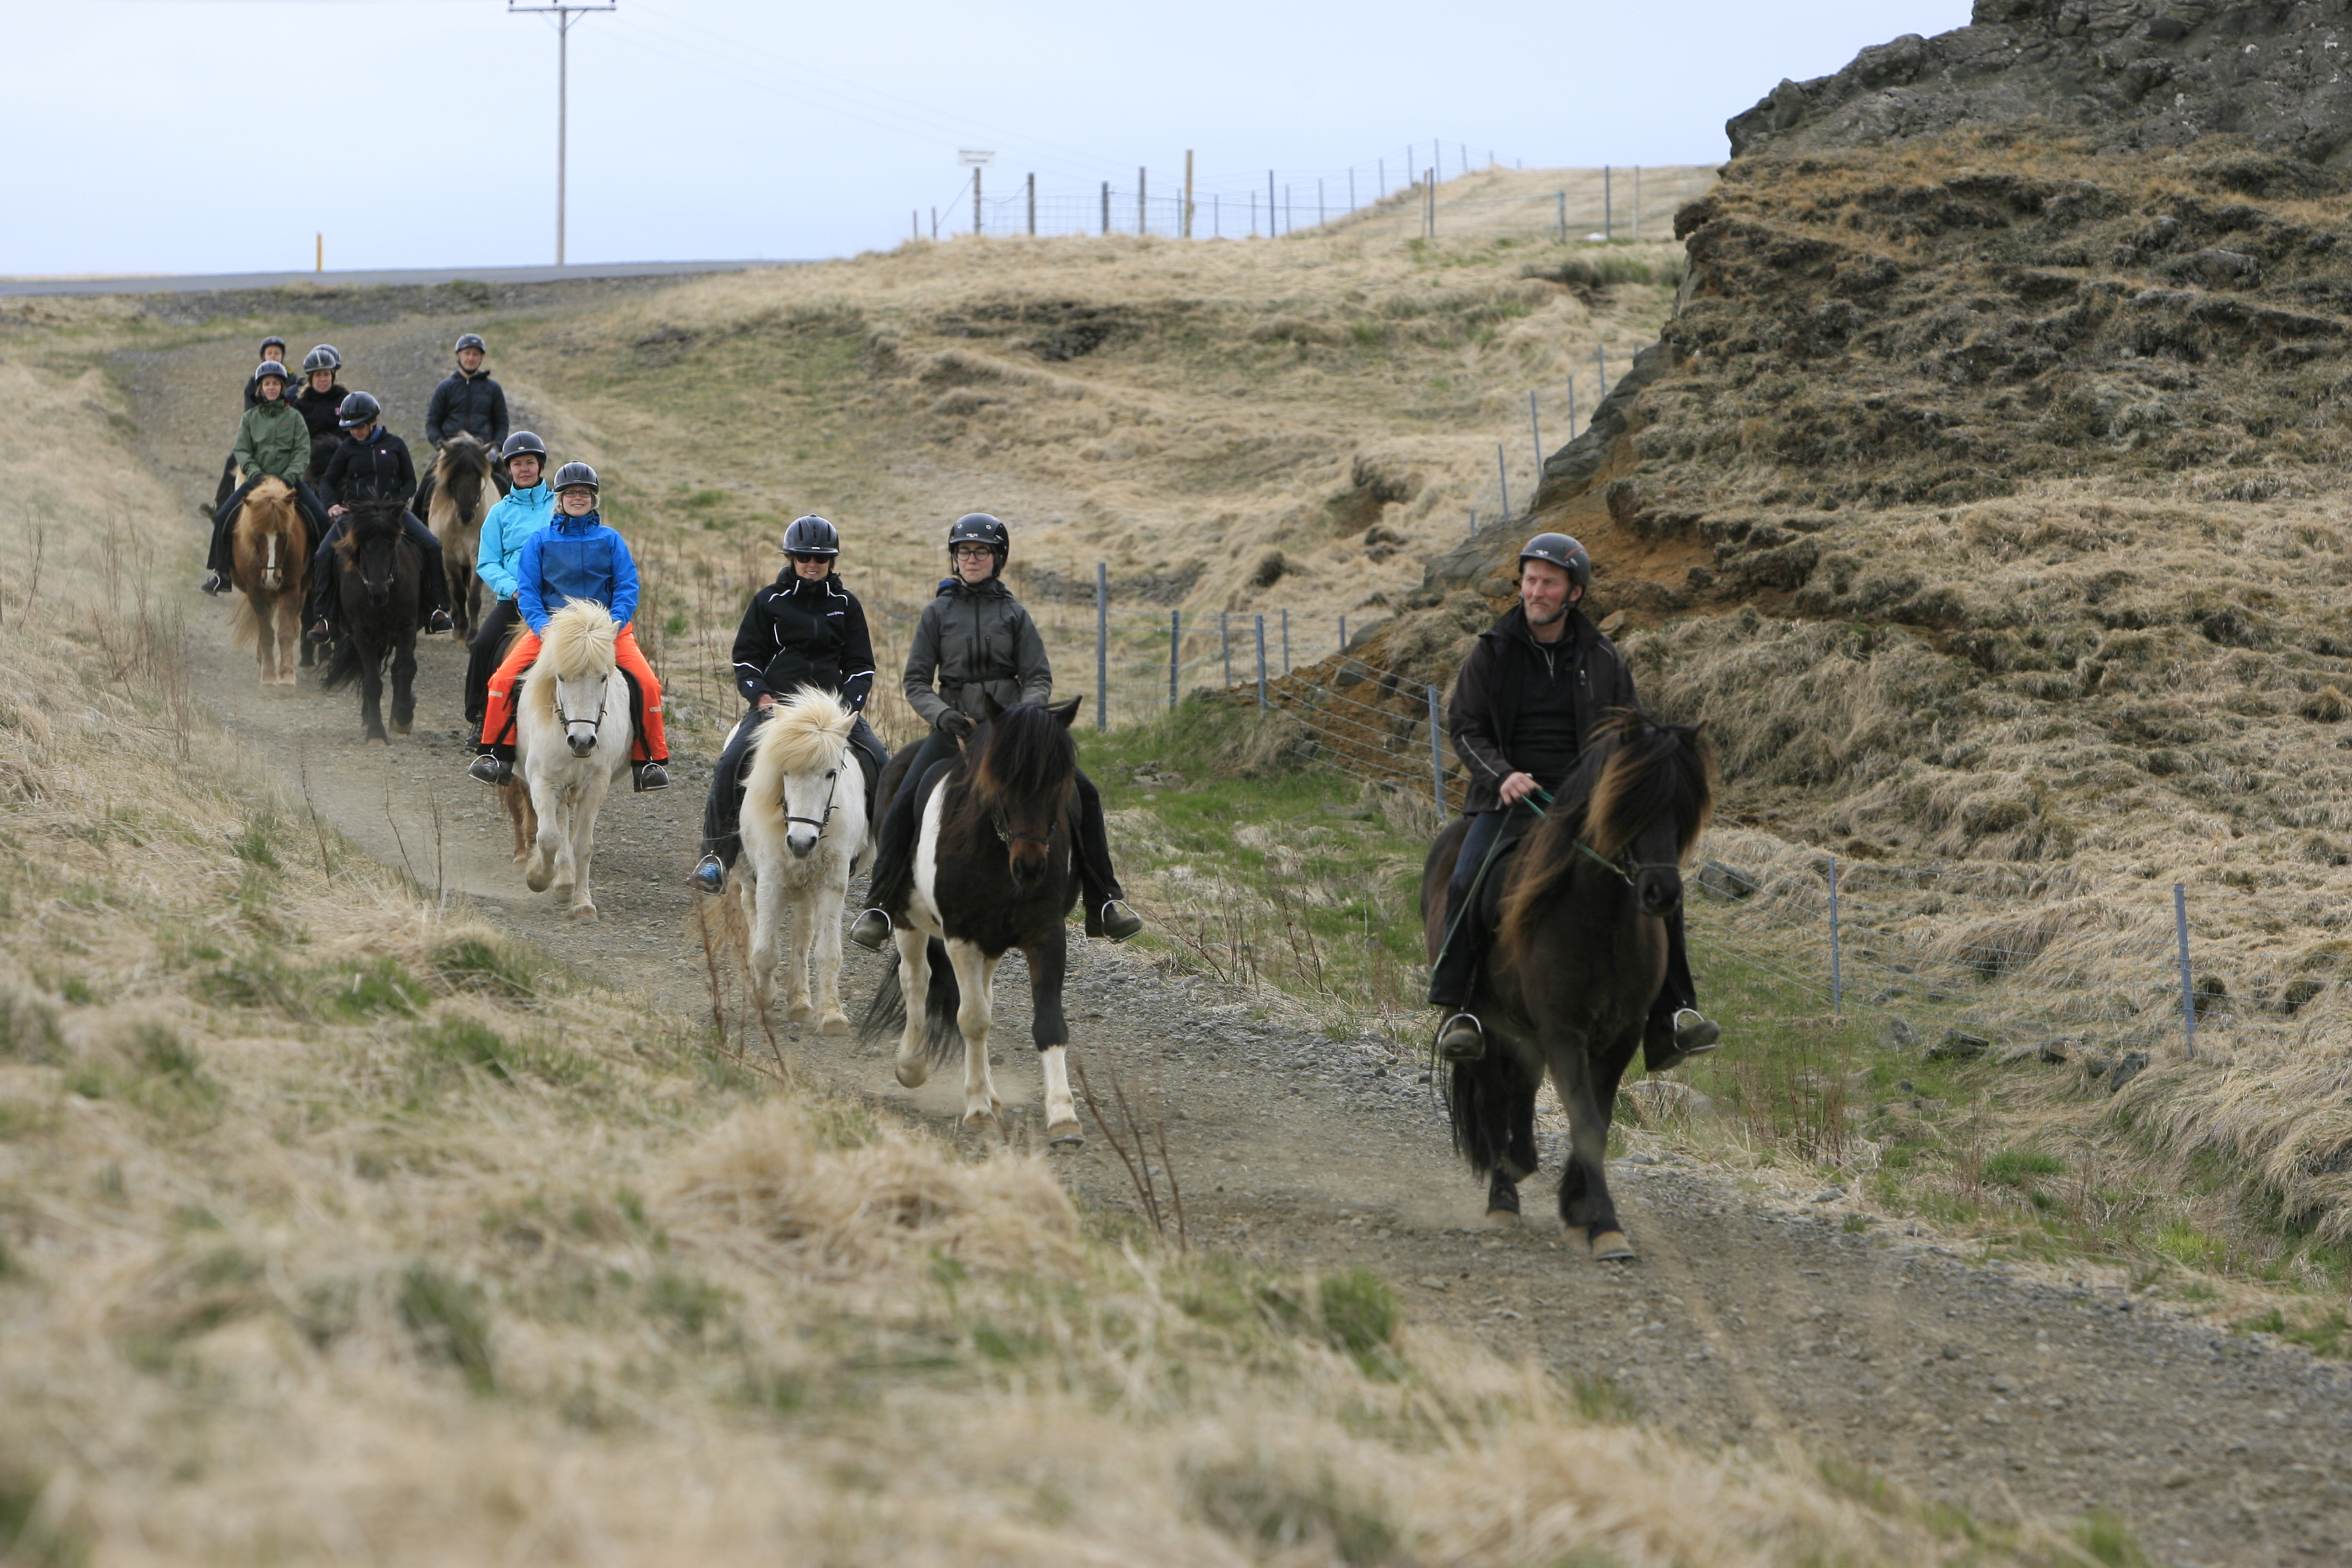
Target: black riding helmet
[323, 357]
[270, 368]
[812, 535]
[524, 441]
[1563, 552]
[980, 527]
[278, 344]
[470, 340]
[357, 409]
[576, 476]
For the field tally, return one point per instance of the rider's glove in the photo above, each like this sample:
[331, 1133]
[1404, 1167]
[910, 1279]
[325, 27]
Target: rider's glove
[955, 725]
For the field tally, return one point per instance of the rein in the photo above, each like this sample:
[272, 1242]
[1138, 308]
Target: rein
[996, 819]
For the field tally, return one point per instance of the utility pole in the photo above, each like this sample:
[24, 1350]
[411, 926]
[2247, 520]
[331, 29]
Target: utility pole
[564, 15]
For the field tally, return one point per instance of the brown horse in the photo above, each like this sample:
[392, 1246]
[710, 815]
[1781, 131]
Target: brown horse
[463, 491]
[1570, 981]
[271, 564]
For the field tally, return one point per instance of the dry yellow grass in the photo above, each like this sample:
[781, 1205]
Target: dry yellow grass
[334, 1229]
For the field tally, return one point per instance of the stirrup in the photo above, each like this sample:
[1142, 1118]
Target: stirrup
[1693, 1036]
[491, 770]
[438, 622]
[650, 776]
[870, 931]
[214, 582]
[1461, 1039]
[710, 874]
[1117, 921]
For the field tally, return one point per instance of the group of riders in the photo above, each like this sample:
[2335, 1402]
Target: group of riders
[1526, 701]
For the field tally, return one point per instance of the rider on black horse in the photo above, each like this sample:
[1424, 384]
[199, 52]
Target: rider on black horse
[803, 630]
[1523, 707]
[372, 465]
[272, 442]
[321, 401]
[974, 643]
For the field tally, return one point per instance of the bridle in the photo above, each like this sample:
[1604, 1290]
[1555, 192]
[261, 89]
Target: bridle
[831, 788]
[604, 697]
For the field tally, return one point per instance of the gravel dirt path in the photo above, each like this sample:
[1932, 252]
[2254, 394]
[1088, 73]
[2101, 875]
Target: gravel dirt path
[1747, 1319]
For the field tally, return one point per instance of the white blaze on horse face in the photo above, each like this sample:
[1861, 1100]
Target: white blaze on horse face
[923, 907]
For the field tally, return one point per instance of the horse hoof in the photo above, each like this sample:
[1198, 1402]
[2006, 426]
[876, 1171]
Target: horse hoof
[833, 1023]
[583, 912]
[536, 881]
[1611, 1246]
[912, 1075]
[799, 1013]
[1502, 1219]
[1064, 1136]
[983, 1121]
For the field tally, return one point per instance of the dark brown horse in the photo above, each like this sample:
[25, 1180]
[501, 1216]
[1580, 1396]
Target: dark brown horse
[1570, 981]
[993, 871]
[377, 571]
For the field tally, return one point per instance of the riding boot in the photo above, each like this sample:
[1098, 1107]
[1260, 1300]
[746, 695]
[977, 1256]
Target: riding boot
[1675, 1031]
[893, 876]
[722, 808]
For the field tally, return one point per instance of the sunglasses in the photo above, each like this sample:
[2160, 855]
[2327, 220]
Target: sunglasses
[799, 560]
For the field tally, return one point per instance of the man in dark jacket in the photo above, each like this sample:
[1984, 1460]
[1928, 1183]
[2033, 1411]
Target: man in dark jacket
[1525, 704]
[373, 464]
[319, 403]
[803, 630]
[468, 400]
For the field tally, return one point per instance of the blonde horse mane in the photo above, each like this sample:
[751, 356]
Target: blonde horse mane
[268, 509]
[578, 643]
[447, 463]
[804, 734]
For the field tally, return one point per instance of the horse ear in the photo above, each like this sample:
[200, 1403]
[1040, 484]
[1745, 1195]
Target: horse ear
[1067, 711]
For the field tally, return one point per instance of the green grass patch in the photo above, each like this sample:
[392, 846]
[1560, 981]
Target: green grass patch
[449, 1319]
[2018, 1167]
[1291, 1515]
[487, 965]
[2107, 1540]
[2331, 1336]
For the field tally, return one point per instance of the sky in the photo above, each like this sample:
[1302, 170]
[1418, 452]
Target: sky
[224, 135]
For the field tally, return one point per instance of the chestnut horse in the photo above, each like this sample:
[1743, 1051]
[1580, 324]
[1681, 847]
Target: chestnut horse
[271, 564]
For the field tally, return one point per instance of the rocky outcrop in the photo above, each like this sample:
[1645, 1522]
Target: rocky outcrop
[2131, 74]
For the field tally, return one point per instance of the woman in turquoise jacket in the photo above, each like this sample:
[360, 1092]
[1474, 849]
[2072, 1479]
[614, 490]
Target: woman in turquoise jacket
[523, 511]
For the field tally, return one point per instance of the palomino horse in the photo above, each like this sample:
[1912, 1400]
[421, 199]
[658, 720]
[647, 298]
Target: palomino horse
[462, 491]
[1571, 978]
[571, 741]
[992, 872]
[377, 571]
[271, 564]
[803, 831]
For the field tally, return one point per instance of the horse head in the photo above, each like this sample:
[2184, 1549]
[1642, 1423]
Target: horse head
[1652, 787]
[372, 550]
[798, 761]
[577, 650]
[460, 469]
[1024, 782]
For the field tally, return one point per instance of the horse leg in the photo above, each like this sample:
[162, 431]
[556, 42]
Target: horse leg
[1584, 1202]
[765, 908]
[975, 979]
[823, 914]
[372, 693]
[914, 985]
[802, 912]
[1050, 1028]
[404, 679]
[546, 841]
[516, 794]
[584, 847]
[287, 619]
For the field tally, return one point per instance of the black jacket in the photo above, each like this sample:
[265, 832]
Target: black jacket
[374, 469]
[973, 644]
[319, 409]
[474, 403]
[797, 632]
[1487, 701]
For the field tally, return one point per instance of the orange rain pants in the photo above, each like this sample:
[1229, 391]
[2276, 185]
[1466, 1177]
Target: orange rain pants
[650, 745]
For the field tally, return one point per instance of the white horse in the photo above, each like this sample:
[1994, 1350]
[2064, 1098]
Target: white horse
[571, 741]
[805, 831]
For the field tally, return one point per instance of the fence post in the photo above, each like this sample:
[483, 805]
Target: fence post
[1102, 647]
[1503, 478]
[1175, 653]
[1261, 662]
[1226, 644]
[1563, 217]
[1837, 980]
[1436, 754]
[976, 200]
[1535, 428]
[1188, 193]
[1033, 206]
[1351, 188]
[1141, 176]
[918, 217]
[1608, 207]
[2188, 993]
[1343, 634]
[1106, 206]
[1272, 231]
[935, 222]
[1474, 523]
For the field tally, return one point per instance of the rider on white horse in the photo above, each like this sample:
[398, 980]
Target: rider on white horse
[803, 630]
[1530, 690]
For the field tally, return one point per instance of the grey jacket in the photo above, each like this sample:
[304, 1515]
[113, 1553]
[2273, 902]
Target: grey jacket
[972, 644]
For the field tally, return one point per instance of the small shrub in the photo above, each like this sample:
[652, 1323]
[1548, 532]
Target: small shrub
[2016, 1167]
[1360, 1311]
[484, 964]
[1278, 1511]
[383, 986]
[462, 1043]
[2108, 1539]
[449, 1321]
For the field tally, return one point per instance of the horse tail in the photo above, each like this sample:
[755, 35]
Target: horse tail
[886, 1014]
[244, 626]
[344, 668]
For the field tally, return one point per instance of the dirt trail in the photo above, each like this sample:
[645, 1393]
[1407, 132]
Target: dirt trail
[1746, 1320]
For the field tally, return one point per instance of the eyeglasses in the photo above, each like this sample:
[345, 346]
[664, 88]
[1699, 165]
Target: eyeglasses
[972, 551]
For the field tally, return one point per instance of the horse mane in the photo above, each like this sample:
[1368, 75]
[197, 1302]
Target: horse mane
[804, 734]
[370, 520]
[1633, 771]
[269, 509]
[1026, 752]
[578, 642]
[460, 454]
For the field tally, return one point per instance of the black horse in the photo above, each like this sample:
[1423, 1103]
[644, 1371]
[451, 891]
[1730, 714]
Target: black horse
[377, 571]
[993, 871]
[1569, 981]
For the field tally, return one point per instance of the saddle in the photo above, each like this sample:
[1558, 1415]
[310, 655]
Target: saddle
[1486, 897]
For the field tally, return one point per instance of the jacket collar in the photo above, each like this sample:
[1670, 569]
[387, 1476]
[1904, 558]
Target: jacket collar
[531, 495]
[792, 583]
[994, 588]
[1513, 627]
[565, 523]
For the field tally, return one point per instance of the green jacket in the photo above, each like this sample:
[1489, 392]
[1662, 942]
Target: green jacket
[273, 438]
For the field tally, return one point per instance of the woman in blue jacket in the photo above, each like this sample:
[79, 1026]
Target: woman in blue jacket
[523, 511]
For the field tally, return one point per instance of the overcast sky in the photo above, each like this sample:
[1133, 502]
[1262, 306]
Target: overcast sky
[221, 135]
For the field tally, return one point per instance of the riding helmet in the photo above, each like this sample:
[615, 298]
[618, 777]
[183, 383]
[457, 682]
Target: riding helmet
[268, 343]
[357, 409]
[1563, 552]
[323, 357]
[812, 535]
[270, 368]
[979, 527]
[471, 340]
[575, 477]
[524, 441]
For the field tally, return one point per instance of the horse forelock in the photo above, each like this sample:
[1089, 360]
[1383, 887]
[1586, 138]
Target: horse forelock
[463, 453]
[579, 641]
[805, 733]
[1027, 753]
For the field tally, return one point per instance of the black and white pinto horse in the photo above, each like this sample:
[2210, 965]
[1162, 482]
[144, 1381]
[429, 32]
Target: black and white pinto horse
[1568, 986]
[994, 872]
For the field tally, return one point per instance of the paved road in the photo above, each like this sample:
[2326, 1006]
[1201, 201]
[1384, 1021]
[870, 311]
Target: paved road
[197, 283]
